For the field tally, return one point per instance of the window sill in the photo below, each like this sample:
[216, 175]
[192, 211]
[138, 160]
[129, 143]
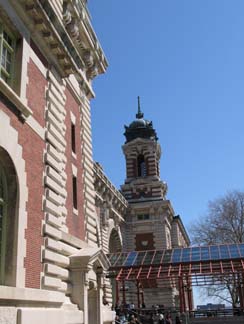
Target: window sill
[15, 99]
[74, 155]
[75, 211]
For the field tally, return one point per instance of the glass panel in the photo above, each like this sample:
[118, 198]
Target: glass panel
[7, 38]
[4, 55]
[121, 259]
[176, 258]
[224, 252]
[195, 254]
[130, 259]
[186, 255]
[158, 257]
[205, 253]
[139, 258]
[113, 258]
[241, 248]
[167, 256]
[214, 250]
[148, 257]
[234, 251]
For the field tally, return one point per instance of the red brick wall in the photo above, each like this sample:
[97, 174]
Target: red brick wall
[75, 223]
[36, 92]
[32, 153]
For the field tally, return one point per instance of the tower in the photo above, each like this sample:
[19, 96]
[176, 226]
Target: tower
[150, 220]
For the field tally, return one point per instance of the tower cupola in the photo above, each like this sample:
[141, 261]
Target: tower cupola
[140, 128]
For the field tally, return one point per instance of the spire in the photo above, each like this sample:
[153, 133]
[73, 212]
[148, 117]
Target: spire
[139, 113]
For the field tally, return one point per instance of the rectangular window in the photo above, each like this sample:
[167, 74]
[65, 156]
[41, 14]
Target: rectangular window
[75, 192]
[73, 138]
[7, 47]
[142, 217]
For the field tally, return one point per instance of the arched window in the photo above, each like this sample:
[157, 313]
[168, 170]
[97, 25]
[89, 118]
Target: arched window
[3, 221]
[141, 166]
[8, 220]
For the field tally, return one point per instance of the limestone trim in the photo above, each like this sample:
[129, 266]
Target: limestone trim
[15, 152]
[21, 295]
[87, 257]
[55, 253]
[25, 111]
[36, 127]
[88, 178]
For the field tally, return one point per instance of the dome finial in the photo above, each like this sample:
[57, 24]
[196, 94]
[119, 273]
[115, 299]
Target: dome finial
[139, 113]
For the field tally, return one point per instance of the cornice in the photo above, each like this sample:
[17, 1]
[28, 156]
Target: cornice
[60, 43]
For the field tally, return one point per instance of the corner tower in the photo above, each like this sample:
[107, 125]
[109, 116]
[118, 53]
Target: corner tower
[142, 153]
[150, 221]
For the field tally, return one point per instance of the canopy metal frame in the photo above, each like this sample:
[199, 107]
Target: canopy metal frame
[182, 268]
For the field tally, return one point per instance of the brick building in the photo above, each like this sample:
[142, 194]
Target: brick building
[144, 219]
[59, 213]
[51, 265]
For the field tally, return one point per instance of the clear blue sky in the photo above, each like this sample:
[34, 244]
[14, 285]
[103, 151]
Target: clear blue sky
[185, 60]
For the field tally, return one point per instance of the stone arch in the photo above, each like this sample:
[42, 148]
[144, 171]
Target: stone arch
[115, 242]
[12, 160]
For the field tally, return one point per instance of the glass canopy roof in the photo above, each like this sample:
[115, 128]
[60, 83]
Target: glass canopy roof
[178, 255]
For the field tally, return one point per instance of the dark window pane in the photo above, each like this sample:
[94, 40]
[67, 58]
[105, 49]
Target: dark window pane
[75, 192]
[73, 138]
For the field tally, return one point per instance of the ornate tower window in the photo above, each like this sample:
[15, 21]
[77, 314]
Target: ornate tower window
[141, 166]
[3, 212]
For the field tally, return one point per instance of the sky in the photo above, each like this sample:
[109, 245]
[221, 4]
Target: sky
[184, 58]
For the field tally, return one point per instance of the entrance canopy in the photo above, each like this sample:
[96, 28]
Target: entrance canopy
[204, 265]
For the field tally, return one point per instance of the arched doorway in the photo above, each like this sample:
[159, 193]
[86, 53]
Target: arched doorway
[8, 219]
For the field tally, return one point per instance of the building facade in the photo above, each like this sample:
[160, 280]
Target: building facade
[150, 221]
[146, 219]
[59, 213]
[51, 261]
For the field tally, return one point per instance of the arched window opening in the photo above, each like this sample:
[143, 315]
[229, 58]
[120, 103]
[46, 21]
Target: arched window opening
[3, 220]
[141, 166]
[8, 220]
[115, 244]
